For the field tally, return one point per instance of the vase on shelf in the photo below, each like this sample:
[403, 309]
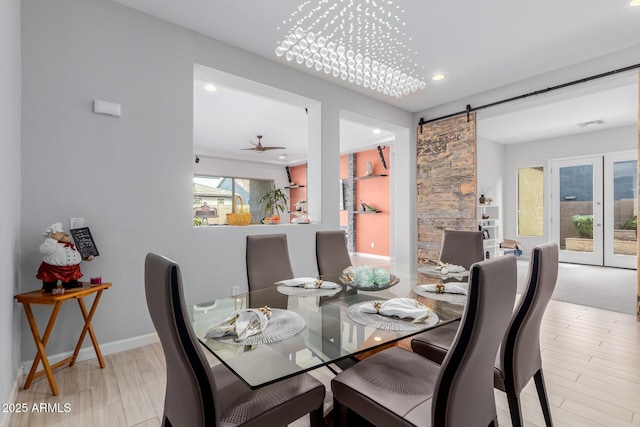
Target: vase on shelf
[369, 169]
[482, 199]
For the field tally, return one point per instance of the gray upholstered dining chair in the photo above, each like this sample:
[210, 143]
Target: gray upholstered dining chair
[332, 254]
[519, 358]
[198, 395]
[267, 262]
[396, 387]
[461, 247]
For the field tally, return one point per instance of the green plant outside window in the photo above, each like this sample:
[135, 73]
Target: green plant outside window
[583, 225]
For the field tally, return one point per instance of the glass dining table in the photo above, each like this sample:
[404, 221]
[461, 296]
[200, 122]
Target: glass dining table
[311, 328]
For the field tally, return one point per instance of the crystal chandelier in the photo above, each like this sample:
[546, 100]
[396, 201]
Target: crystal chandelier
[359, 41]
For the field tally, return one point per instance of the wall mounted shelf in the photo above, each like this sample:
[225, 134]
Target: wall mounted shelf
[295, 186]
[357, 178]
[366, 212]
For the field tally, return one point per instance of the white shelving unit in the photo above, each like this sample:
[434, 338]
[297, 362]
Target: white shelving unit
[491, 226]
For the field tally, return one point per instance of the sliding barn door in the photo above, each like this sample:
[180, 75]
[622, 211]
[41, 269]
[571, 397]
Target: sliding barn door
[446, 179]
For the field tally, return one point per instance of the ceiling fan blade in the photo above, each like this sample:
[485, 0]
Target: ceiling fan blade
[252, 149]
[273, 148]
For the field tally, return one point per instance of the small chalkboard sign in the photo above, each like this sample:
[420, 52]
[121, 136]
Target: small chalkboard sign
[84, 242]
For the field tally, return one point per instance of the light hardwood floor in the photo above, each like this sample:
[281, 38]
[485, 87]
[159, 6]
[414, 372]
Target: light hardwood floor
[591, 362]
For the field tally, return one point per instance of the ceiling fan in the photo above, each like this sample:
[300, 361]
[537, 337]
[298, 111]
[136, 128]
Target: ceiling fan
[260, 148]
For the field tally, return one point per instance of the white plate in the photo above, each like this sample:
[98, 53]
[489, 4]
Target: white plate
[452, 298]
[390, 323]
[296, 291]
[283, 324]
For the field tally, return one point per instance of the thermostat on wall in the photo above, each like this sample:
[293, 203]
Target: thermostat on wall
[104, 107]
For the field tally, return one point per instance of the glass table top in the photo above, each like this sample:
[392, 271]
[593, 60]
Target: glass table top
[310, 328]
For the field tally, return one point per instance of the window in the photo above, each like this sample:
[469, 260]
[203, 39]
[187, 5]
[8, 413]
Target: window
[531, 201]
[213, 198]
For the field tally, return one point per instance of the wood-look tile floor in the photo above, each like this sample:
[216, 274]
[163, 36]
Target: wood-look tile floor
[591, 362]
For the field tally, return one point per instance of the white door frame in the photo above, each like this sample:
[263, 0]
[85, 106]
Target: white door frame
[610, 258]
[597, 256]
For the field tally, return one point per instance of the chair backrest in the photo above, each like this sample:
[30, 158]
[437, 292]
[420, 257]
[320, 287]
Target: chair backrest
[520, 354]
[463, 393]
[332, 254]
[267, 263]
[461, 247]
[189, 398]
[267, 260]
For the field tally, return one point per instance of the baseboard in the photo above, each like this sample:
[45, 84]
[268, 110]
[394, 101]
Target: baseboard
[365, 255]
[13, 396]
[87, 353]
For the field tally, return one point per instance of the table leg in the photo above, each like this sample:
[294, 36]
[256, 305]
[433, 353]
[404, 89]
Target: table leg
[88, 328]
[40, 345]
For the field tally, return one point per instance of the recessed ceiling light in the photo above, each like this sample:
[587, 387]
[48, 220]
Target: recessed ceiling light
[377, 131]
[437, 77]
[634, 3]
[210, 88]
[282, 156]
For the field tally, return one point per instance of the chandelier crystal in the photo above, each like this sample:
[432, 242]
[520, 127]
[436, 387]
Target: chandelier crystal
[359, 41]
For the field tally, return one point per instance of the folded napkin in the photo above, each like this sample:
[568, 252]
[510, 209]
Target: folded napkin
[450, 268]
[309, 283]
[445, 288]
[241, 323]
[400, 307]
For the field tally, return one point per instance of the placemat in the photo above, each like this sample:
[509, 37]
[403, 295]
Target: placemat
[390, 323]
[431, 271]
[452, 298]
[283, 324]
[302, 292]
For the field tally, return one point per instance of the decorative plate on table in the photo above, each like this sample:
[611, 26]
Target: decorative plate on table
[437, 272]
[283, 324]
[390, 323]
[369, 279]
[302, 292]
[458, 299]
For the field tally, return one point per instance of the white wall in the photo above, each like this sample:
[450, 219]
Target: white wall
[538, 153]
[490, 180]
[239, 169]
[111, 171]
[10, 183]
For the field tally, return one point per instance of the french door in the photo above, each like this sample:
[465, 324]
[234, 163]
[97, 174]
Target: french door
[594, 209]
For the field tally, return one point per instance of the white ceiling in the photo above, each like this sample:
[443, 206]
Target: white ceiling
[613, 101]
[230, 118]
[479, 45]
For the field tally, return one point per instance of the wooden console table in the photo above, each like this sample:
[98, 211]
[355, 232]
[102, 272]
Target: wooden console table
[39, 297]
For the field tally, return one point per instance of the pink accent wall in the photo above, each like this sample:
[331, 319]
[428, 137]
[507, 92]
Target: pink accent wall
[373, 228]
[299, 177]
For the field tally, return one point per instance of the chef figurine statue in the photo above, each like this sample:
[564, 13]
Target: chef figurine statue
[61, 260]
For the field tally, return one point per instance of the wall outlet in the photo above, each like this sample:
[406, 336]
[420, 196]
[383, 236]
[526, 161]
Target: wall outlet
[373, 245]
[76, 223]
[235, 290]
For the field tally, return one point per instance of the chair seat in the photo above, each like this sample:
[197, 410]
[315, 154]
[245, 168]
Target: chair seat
[435, 343]
[401, 384]
[276, 404]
